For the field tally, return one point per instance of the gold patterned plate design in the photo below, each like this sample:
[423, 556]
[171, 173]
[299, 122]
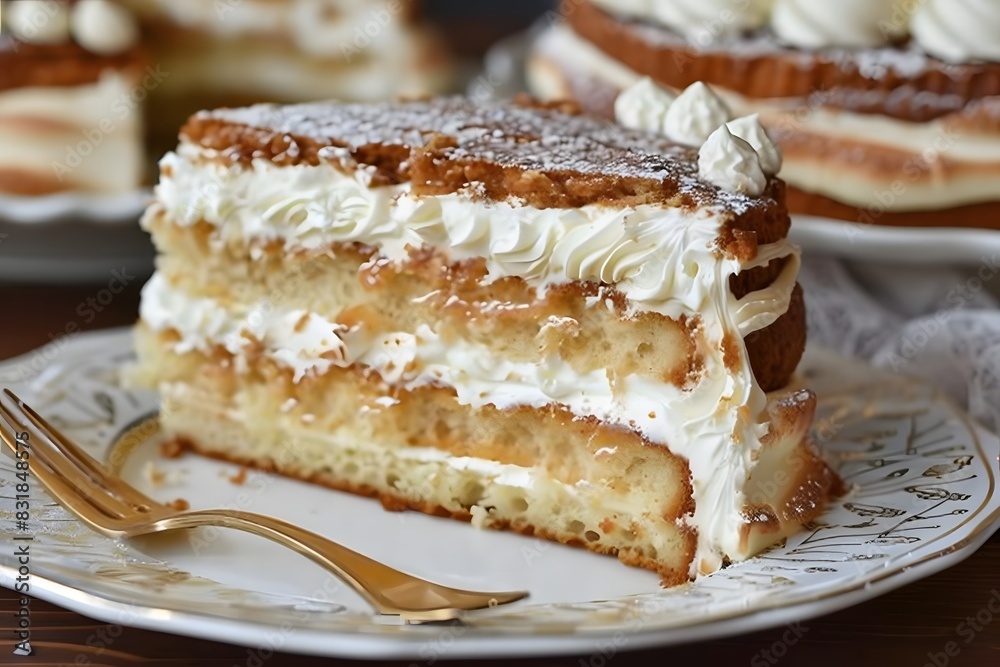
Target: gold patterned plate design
[922, 476]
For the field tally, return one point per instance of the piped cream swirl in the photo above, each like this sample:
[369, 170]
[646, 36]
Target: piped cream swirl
[959, 31]
[809, 24]
[643, 106]
[694, 115]
[750, 130]
[731, 163]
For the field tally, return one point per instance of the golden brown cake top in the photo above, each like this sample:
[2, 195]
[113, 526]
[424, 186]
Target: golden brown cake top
[45, 65]
[898, 80]
[541, 155]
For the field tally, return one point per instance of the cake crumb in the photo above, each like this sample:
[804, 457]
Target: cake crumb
[605, 452]
[479, 516]
[180, 505]
[239, 478]
[159, 477]
[172, 449]
[153, 475]
[386, 401]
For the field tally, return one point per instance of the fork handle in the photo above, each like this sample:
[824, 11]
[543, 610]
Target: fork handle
[368, 577]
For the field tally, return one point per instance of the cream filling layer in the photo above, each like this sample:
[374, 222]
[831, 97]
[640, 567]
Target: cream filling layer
[86, 137]
[663, 259]
[700, 424]
[932, 141]
[272, 70]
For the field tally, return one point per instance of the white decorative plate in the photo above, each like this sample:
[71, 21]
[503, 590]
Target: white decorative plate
[923, 499]
[899, 245]
[73, 237]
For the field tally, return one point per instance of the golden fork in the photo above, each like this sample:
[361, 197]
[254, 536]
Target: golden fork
[111, 507]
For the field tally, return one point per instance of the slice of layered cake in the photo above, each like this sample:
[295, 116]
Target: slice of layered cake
[72, 81]
[508, 314]
[887, 111]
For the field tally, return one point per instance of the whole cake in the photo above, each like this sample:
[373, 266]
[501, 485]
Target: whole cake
[887, 111]
[510, 314]
[72, 82]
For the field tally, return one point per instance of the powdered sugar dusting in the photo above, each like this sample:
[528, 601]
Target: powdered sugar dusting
[905, 61]
[526, 138]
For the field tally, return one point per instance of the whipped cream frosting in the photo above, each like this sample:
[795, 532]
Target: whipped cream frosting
[702, 21]
[643, 106]
[37, 21]
[736, 160]
[956, 31]
[103, 27]
[731, 163]
[690, 421]
[100, 26]
[750, 130]
[313, 206]
[959, 31]
[809, 24]
[694, 115]
[662, 259]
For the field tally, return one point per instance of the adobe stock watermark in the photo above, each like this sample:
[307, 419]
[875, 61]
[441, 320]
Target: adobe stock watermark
[32, 22]
[375, 21]
[772, 654]
[918, 165]
[121, 108]
[918, 336]
[87, 311]
[899, 19]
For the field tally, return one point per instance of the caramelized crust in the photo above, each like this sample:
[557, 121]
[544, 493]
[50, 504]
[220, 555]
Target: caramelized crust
[31, 184]
[23, 65]
[835, 77]
[539, 155]
[775, 351]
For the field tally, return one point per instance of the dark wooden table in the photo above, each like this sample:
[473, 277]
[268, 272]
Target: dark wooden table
[915, 625]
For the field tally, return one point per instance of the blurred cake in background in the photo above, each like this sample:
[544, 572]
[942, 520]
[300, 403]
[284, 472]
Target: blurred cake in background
[887, 111]
[72, 82]
[234, 52]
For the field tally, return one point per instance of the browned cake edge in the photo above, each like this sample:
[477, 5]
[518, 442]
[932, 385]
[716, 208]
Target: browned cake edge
[28, 65]
[781, 74]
